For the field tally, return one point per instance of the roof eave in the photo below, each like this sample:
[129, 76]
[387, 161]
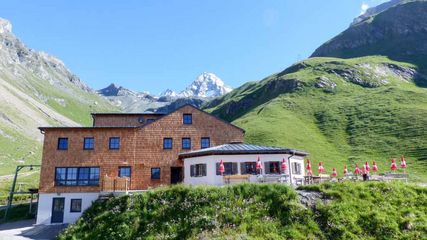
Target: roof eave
[218, 152]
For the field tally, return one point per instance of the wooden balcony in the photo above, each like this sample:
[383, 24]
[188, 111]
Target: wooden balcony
[115, 184]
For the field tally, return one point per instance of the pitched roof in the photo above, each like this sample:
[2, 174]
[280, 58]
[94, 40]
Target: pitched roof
[241, 148]
[88, 128]
[162, 116]
[125, 114]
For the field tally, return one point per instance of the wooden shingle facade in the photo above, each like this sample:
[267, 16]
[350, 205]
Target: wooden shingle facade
[145, 147]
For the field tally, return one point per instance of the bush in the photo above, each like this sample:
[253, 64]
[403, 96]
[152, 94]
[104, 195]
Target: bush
[259, 211]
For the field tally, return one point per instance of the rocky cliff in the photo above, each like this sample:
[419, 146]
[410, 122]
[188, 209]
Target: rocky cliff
[398, 32]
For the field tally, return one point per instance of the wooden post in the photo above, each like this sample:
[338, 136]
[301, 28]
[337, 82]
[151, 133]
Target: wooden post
[126, 186]
[31, 203]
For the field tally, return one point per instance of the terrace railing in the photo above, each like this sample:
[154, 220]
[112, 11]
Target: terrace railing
[115, 184]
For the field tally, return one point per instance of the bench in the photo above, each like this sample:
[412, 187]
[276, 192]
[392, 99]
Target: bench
[271, 178]
[228, 179]
[396, 176]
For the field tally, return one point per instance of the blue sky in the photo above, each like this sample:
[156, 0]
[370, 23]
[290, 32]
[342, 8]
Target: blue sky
[151, 45]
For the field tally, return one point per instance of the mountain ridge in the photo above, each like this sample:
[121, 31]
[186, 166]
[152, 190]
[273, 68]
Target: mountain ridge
[398, 32]
[205, 87]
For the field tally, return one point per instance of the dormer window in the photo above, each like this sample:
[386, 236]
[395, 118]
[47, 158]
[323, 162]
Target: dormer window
[187, 118]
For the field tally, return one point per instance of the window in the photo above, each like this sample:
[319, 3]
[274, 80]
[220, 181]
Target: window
[74, 176]
[248, 168]
[76, 205]
[187, 118]
[60, 176]
[198, 170]
[205, 142]
[296, 168]
[124, 172]
[62, 143]
[88, 143]
[71, 177]
[94, 176]
[167, 143]
[114, 143]
[272, 167]
[84, 176]
[186, 143]
[150, 120]
[155, 173]
[229, 168]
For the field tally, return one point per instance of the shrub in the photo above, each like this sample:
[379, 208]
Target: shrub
[259, 211]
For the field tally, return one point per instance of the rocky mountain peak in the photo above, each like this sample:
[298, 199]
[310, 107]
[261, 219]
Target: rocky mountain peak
[5, 26]
[114, 90]
[206, 85]
[168, 93]
[15, 56]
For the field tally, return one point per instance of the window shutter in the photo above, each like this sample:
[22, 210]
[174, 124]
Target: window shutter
[267, 167]
[234, 168]
[192, 170]
[217, 169]
[242, 168]
[203, 169]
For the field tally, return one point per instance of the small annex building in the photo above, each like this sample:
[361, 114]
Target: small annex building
[201, 167]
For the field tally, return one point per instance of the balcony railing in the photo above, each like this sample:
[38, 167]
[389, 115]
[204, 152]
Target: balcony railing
[115, 184]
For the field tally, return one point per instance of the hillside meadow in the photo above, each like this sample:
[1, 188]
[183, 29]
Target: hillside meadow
[341, 111]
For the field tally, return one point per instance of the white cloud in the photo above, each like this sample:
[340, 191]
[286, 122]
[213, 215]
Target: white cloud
[363, 8]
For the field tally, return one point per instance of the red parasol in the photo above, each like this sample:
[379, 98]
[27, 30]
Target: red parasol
[334, 172]
[259, 166]
[308, 168]
[356, 170]
[393, 165]
[221, 167]
[364, 170]
[367, 168]
[345, 170]
[402, 162]
[284, 167]
[374, 167]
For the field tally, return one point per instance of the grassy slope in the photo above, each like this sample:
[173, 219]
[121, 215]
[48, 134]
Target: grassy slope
[16, 146]
[345, 125]
[257, 211]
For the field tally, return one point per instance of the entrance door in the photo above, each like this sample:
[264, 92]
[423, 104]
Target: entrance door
[58, 210]
[176, 175]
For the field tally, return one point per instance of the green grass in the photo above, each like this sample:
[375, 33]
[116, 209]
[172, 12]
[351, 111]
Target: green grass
[342, 126]
[259, 211]
[19, 212]
[22, 184]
